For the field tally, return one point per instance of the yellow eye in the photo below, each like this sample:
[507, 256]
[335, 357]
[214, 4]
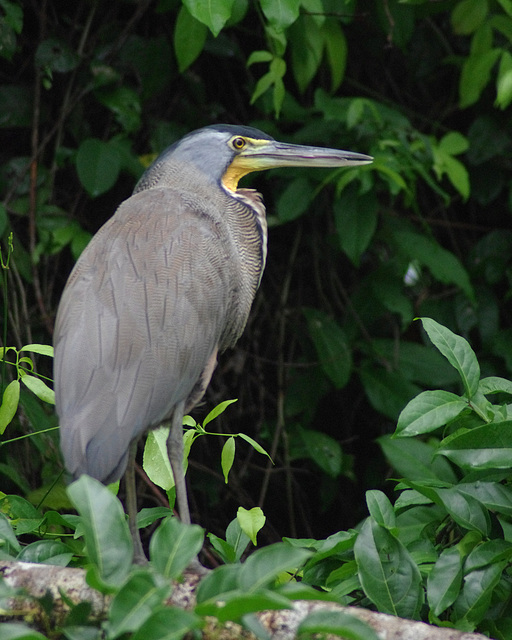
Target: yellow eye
[238, 143]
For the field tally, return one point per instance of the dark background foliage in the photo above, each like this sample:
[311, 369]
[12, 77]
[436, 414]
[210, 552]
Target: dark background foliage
[90, 91]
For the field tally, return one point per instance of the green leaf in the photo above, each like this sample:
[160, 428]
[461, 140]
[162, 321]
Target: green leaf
[337, 51]
[98, 165]
[468, 512]
[454, 143]
[168, 623]
[57, 55]
[504, 83]
[475, 76]
[213, 13]
[39, 388]
[10, 401]
[475, 598]
[381, 509]
[324, 450]
[443, 265]
[486, 447]
[495, 384]
[189, 38]
[468, 15]
[42, 349]
[135, 602]
[280, 13]
[236, 537]
[415, 459]
[445, 580]
[251, 522]
[227, 457]
[235, 605]
[107, 537]
[125, 104]
[7, 534]
[493, 495]
[428, 411]
[332, 347]
[458, 353]
[156, 459]
[486, 553]
[174, 545]
[389, 576]
[19, 631]
[255, 445]
[355, 216]
[336, 623]
[387, 391]
[294, 200]
[263, 566]
[216, 411]
[46, 552]
[307, 45]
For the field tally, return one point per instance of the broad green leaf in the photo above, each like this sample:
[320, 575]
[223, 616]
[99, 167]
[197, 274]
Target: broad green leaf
[251, 522]
[213, 13]
[39, 388]
[135, 602]
[389, 576]
[280, 13]
[475, 597]
[486, 553]
[216, 411]
[20, 631]
[42, 349]
[355, 216]
[504, 83]
[454, 143]
[428, 411]
[337, 51]
[443, 264]
[7, 534]
[189, 38]
[174, 546]
[486, 447]
[255, 445]
[468, 15]
[494, 384]
[336, 623]
[387, 391]
[156, 460]
[10, 401]
[47, 552]
[494, 495]
[223, 579]
[236, 604]
[332, 346]
[475, 76]
[263, 566]
[465, 510]
[294, 200]
[457, 351]
[415, 459]
[227, 457]
[98, 165]
[237, 537]
[259, 56]
[125, 104]
[445, 580]
[380, 508]
[107, 537]
[168, 623]
[307, 45]
[324, 450]
[57, 55]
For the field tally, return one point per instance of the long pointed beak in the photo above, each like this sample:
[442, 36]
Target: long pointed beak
[272, 154]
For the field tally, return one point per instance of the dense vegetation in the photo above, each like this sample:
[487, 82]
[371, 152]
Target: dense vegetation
[91, 91]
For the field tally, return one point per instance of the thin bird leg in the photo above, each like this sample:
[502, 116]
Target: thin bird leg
[175, 453]
[131, 505]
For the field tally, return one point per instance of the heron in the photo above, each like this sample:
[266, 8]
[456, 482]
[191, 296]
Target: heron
[162, 289]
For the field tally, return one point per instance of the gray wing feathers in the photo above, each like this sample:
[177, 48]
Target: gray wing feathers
[142, 313]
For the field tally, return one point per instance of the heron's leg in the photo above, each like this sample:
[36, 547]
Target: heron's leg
[131, 505]
[175, 453]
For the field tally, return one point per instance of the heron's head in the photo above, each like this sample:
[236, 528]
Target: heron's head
[225, 153]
